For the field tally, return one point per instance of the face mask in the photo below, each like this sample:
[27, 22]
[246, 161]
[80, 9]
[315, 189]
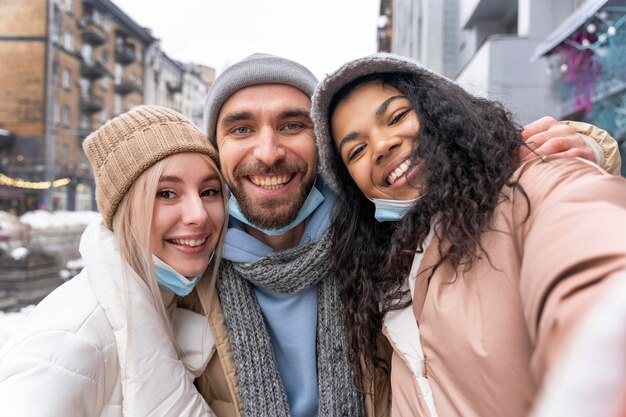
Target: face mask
[391, 210]
[171, 280]
[312, 202]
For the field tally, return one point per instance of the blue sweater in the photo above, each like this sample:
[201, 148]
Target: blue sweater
[291, 319]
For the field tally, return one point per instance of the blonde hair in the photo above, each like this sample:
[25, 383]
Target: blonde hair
[132, 226]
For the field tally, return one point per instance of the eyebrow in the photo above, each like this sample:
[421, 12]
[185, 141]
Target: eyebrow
[247, 115]
[236, 117]
[295, 112]
[350, 136]
[174, 178]
[385, 104]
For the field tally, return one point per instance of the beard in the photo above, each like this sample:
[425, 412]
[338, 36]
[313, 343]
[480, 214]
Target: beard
[272, 213]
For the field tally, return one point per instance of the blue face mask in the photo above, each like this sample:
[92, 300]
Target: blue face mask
[312, 202]
[391, 210]
[171, 280]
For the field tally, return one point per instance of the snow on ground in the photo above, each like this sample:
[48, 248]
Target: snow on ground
[41, 219]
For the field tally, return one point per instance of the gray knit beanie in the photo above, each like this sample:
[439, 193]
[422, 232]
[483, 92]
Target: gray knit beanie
[329, 161]
[253, 70]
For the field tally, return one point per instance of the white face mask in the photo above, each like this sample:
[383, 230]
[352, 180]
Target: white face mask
[391, 210]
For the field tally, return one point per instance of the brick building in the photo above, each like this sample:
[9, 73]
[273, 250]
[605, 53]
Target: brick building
[66, 67]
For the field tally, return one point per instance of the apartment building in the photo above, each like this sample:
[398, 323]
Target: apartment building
[66, 68]
[586, 55]
[180, 86]
[563, 58]
[485, 45]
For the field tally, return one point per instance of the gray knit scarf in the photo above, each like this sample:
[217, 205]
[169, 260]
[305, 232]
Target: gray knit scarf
[287, 272]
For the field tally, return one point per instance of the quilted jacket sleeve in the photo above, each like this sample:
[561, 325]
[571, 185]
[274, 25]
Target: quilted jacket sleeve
[38, 381]
[573, 244]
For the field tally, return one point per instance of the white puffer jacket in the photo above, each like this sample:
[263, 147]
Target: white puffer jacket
[78, 353]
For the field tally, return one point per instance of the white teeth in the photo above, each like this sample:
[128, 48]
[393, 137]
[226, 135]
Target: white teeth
[189, 242]
[270, 183]
[397, 173]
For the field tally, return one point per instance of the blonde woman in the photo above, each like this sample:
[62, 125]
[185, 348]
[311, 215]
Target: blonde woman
[112, 341]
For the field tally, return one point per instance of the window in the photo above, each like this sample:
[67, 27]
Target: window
[66, 116]
[83, 197]
[59, 198]
[56, 114]
[65, 153]
[104, 83]
[56, 28]
[119, 71]
[85, 87]
[67, 79]
[69, 6]
[105, 55]
[55, 72]
[85, 122]
[103, 116]
[117, 106]
[68, 41]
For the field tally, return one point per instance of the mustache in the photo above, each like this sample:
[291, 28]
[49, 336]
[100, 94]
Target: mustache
[259, 168]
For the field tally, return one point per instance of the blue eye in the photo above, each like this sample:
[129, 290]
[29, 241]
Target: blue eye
[241, 130]
[293, 126]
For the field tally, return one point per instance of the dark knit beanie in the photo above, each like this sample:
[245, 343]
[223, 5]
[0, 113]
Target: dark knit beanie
[253, 70]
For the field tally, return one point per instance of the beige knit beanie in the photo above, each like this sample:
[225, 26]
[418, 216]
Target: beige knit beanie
[129, 144]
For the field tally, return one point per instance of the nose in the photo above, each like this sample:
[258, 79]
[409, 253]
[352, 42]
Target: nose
[384, 145]
[194, 211]
[269, 149]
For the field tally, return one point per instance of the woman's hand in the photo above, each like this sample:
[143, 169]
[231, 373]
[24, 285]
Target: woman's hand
[547, 136]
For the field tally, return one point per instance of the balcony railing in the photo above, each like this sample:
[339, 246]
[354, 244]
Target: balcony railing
[174, 86]
[126, 85]
[92, 32]
[125, 54]
[90, 103]
[93, 69]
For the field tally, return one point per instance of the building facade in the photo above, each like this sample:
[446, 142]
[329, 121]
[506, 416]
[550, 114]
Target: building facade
[485, 45]
[68, 66]
[563, 58]
[74, 65]
[586, 57]
[180, 86]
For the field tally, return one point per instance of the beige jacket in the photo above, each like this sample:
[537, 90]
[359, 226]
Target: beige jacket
[489, 336]
[220, 387]
[608, 156]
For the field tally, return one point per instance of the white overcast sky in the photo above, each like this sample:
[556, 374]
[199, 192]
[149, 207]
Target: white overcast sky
[320, 34]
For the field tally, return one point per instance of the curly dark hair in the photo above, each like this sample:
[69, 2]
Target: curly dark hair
[471, 148]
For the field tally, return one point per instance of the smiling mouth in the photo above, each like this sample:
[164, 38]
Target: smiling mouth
[270, 182]
[398, 172]
[192, 243]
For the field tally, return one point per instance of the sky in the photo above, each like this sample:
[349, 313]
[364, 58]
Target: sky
[320, 34]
